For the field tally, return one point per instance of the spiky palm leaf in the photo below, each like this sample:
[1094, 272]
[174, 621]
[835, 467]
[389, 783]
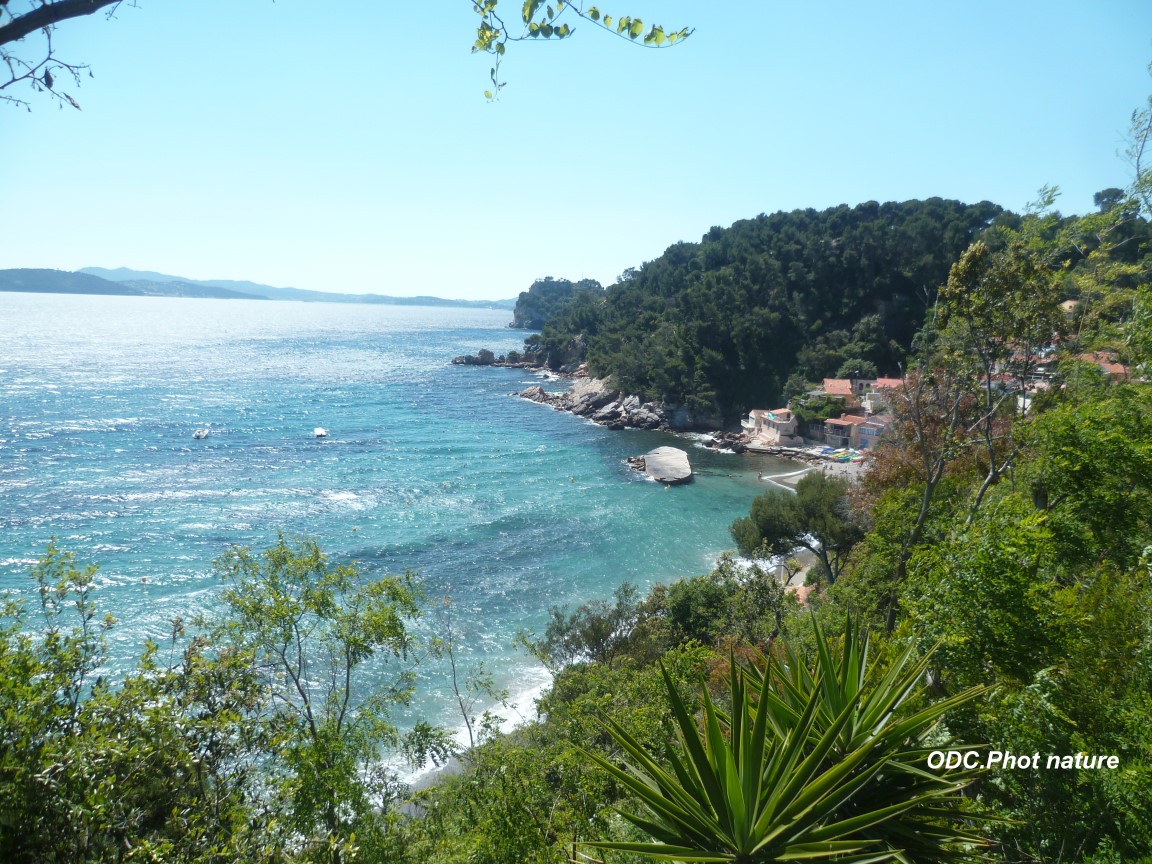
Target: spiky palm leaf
[809, 765]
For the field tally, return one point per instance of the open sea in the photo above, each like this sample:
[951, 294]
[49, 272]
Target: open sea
[506, 506]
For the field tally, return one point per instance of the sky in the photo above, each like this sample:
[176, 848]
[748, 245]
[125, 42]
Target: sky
[347, 146]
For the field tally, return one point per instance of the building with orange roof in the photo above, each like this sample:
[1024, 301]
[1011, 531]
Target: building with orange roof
[838, 387]
[1107, 364]
[842, 432]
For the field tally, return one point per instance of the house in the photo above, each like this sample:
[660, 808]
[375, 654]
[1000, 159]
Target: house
[1107, 364]
[773, 427]
[837, 390]
[869, 432]
[879, 394]
[844, 432]
[838, 387]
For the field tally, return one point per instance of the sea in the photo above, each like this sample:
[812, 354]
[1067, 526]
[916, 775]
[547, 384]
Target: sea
[504, 507]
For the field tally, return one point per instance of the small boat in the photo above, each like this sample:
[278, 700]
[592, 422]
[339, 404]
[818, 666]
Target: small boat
[200, 434]
[320, 432]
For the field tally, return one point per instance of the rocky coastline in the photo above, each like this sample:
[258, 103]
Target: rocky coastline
[597, 400]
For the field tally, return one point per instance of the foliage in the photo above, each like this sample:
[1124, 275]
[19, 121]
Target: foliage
[854, 367]
[42, 69]
[598, 631]
[310, 629]
[813, 409]
[541, 20]
[28, 23]
[746, 603]
[259, 741]
[547, 297]
[820, 764]
[816, 518]
[90, 771]
[530, 795]
[725, 322]
[470, 686]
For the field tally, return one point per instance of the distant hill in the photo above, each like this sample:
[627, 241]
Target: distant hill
[186, 289]
[66, 282]
[61, 282]
[254, 289]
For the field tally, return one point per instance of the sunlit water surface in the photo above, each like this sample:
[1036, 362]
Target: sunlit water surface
[507, 506]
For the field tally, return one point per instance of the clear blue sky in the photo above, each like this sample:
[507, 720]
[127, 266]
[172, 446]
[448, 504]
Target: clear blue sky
[348, 147]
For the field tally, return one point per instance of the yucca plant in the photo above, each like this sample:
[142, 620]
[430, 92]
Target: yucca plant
[810, 764]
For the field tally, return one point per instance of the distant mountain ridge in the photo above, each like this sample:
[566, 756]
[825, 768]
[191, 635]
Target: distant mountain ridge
[254, 289]
[65, 282]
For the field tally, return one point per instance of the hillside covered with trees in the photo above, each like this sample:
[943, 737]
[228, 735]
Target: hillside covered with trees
[724, 323]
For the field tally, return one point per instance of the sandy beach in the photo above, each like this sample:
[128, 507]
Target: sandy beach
[850, 471]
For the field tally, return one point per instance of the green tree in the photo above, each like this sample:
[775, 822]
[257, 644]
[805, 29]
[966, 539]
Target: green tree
[1000, 310]
[816, 518]
[314, 633]
[854, 367]
[160, 763]
[596, 631]
[471, 685]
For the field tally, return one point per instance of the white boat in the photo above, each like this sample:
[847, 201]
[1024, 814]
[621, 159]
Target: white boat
[320, 432]
[200, 434]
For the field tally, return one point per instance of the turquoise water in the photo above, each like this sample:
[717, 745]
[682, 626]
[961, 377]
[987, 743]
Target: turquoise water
[507, 506]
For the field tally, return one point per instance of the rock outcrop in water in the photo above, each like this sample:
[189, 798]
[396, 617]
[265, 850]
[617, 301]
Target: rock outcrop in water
[485, 357]
[595, 399]
[664, 464]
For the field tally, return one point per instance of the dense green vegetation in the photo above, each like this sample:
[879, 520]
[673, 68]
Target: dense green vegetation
[723, 323]
[547, 297]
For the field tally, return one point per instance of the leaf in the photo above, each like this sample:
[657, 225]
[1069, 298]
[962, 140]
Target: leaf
[656, 34]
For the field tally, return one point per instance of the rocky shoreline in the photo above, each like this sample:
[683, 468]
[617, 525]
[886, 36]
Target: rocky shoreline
[595, 399]
[600, 402]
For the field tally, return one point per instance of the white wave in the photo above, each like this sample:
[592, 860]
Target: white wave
[518, 710]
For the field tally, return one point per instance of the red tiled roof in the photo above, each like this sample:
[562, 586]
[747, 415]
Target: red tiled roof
[838, 386]
[887, 384]
[1105, 362]
[848, 420]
